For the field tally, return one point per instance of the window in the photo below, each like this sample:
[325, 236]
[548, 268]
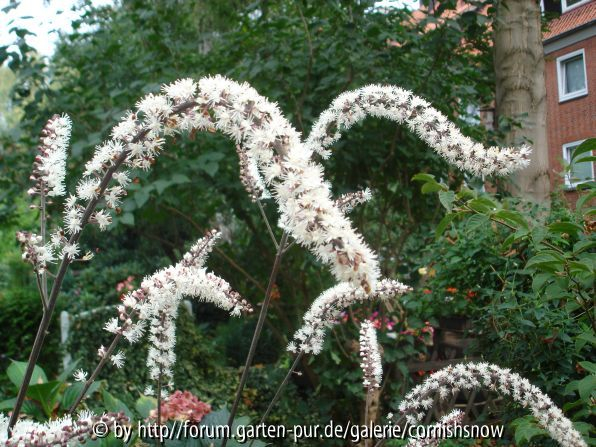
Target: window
[571, 71]
[579, 172]
[570, 4]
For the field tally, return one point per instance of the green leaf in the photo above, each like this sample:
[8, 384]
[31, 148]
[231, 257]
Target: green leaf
[8, 404]
[116, 405]
[161, 185]
[588, 159]
[73, 391]
[587, 386]
[587, 146]
[465, 193]
[588, 366]
[482, 205]
[442, 225]
[476, 221]
[544, 258]
[16, 374]
[127, 219]
[583, 339]
[179, 179]
[65, 375]
[422, 177]
[447, 198]
[429, 187]
[583, 199]
[46, 394]
[526, 428]
[144, 405]
[583, 245]
[539, 280]
[141, 196]
[565, 227]
[512, 217]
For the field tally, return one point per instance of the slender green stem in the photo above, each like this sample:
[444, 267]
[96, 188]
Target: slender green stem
[95, 373]
[280, 388]
[44, 324]
[159, 405]
[269, 229]
[256, 334]
[366, 410]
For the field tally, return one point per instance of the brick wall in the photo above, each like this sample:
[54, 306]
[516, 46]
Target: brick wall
[574, 119]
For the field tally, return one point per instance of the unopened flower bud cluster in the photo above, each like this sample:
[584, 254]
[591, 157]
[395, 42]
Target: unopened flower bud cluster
[470, 376]
[456, 417]
[370, 357]
[64, 431]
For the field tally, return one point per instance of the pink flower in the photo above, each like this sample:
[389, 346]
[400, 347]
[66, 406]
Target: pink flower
[182, 406]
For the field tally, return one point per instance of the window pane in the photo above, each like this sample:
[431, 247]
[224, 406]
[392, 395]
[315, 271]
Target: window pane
[579, 171]
[574, 75]
[572, 2]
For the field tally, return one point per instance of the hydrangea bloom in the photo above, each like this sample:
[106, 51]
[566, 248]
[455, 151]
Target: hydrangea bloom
[182, 406]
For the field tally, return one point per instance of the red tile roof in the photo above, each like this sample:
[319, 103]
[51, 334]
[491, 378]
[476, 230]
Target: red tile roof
[570, 20]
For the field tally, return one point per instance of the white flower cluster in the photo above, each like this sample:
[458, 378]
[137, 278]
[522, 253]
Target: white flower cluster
[157, 302]
[325, 311]
[370, 356]
[402, 106]
[80, 375]
[469, 376]
[454, 418]
[35, 251]
[66, 432]
[307, 210]
[275, 156]
[49, 167]
[250, 177]
[347, 202]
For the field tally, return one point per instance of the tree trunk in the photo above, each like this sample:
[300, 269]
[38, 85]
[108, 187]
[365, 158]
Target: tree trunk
[521, 90]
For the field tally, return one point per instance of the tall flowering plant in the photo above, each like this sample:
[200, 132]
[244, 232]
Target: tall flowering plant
[274, 163]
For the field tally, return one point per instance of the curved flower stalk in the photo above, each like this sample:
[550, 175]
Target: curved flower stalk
[470, 376]
[65, 431]
[156, 303]
[158, 299]
[325, 311]
[275, 156]
[372, 369]
[402, 106]
[449, 420]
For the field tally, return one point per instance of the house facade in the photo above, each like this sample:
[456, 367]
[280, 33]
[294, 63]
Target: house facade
[570, 56]
[570, 74]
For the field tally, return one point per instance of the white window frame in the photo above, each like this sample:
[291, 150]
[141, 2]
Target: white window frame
[569, 184]
[569, 8]
[561, 76]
